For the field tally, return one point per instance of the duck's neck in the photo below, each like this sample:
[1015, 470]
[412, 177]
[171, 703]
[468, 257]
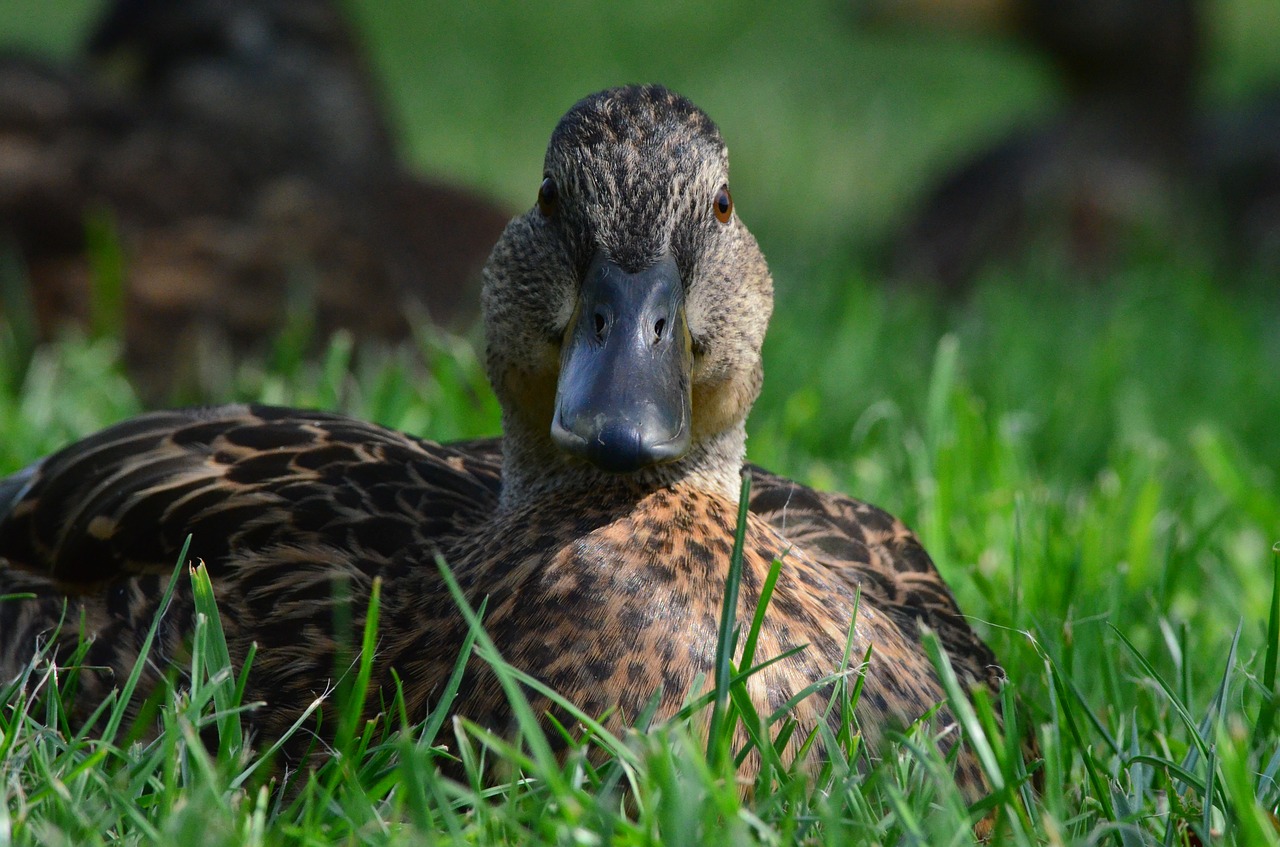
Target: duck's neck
[533, 469]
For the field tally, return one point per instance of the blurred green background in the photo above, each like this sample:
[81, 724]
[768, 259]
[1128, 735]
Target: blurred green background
[835, 128]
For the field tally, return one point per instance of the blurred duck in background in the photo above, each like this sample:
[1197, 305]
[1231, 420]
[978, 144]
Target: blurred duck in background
[1127, 162]
[1243, 144]
[229, 162]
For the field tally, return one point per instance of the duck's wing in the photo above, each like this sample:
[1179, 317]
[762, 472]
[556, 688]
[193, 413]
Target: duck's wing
[122, 502]
[876, 552]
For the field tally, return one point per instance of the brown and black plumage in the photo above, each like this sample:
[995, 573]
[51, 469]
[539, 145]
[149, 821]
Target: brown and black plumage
[624, 318]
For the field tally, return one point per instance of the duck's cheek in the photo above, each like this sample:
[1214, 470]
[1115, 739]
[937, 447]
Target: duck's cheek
[720, 403]
[528, 388]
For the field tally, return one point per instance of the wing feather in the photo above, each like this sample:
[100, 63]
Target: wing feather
[122, 501]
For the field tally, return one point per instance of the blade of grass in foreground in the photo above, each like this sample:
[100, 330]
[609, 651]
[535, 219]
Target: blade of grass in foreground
[1178, 706]
[126, 692]
[717, 746]
[353, 709]
[444, 703]
[766, 594]
[963, 709]
[1254, 824]
[1270, 694]
[522, 711]
[975, 736]
[217, 660]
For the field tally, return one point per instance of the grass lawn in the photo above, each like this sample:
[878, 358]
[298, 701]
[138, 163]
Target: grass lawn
[1093, 466]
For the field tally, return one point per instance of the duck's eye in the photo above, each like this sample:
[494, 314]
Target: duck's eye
[548, 197]
[723, 204]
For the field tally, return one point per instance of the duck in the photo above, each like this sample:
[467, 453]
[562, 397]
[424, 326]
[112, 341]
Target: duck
[1241, 144]
[624, 315]
[234, 161]
[1119, 160]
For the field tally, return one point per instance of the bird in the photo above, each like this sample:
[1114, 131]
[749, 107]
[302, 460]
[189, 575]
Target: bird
[624, 314]
[1117, 164]
[1241, 146]
[235, 157]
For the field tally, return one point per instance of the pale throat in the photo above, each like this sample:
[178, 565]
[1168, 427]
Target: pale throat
[533, 468]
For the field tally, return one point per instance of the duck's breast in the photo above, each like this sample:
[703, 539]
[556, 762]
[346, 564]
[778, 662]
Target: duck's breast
[617, 603]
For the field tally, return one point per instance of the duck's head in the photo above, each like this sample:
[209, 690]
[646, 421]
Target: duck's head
[624, 313]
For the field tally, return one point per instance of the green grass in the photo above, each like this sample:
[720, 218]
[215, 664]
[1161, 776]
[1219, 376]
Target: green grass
[1094, 475]
[1093, 466]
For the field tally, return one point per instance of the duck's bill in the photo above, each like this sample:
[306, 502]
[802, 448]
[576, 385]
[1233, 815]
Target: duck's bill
[623, 401]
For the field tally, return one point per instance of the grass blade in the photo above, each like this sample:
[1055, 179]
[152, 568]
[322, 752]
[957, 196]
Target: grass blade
[1265, 724]
[718, 736]
[525, 719]
[353, 708]
[1177, 704]
[216, 659]
[144, 652]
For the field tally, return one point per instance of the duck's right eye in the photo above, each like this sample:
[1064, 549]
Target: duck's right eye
[548, 197]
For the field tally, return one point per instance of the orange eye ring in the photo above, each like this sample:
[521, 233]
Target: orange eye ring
[548, 197]
[723, 205]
